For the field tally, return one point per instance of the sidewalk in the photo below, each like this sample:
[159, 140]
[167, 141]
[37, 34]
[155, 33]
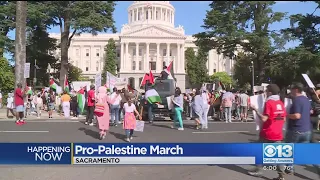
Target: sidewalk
[44, 116]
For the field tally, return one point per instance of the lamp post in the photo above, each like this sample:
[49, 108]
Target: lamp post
[252, 86]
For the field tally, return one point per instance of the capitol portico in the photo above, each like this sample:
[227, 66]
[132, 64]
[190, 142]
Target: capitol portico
[149, 41]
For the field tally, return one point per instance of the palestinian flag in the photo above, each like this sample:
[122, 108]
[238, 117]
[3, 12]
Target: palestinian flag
[152, 96]
[29, 90]
[81, 100]
[168, 70]
[66, 84]
[53, 84]
[145, 79]
[151, 77]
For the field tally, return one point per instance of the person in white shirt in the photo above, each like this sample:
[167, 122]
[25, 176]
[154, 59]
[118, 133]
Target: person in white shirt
[115, 107]
[10, 105]
[39, 104]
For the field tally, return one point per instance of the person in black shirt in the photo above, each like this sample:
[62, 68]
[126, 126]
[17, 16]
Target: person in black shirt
[164, 74]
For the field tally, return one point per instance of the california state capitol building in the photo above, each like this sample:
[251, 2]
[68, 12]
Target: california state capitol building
[149, 41]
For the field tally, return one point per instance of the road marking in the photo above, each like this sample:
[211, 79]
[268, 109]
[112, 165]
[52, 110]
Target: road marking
[220, 132]
[24, 131]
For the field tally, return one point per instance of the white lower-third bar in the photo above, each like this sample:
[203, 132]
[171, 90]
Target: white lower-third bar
[164, 160]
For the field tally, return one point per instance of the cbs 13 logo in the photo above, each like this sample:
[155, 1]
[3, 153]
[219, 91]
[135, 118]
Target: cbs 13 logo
[278, 150]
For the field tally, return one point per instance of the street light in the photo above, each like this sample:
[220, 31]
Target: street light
[252, 87]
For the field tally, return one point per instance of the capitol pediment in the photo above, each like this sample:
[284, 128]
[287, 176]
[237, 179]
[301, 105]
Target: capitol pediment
[153, 31]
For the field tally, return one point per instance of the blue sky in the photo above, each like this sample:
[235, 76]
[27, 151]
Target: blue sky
[190, 14]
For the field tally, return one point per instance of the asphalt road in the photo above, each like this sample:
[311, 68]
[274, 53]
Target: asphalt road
[74, 131]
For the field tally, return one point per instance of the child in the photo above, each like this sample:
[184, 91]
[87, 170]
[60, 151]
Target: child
[129, 123]
[10, 104]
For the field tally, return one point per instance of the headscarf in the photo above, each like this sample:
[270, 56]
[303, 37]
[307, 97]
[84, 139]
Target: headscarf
[102, 93]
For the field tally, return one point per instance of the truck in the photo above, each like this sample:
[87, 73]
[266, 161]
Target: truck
[164, 88]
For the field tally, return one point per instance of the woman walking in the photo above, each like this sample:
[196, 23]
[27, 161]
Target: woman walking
[129, 122]
[102, 111]
[197, 107]
[65, 103]
[178, 105]
[205, 108]
[10, 105]
[39, 105]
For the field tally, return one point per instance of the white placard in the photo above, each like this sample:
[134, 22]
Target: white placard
[139, 126]
[258, 101]
[258, 88]
[264, 85]
[308, 80]
[98, 80]
[26, 70]
[143, 160]
[169, 102]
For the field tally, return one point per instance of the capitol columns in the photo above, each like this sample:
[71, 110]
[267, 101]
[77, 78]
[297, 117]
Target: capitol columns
[182, 59]
[178, 59]
[121, 57]
[137, 56]
[146, 61]
[168, 54]
[159, 63]
[127, 60]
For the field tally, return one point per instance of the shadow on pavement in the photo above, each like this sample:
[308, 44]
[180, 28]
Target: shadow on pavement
[311, 169]
[249, 134]
[89, 132]
[119, 136]
[239, 170]
[187, 126]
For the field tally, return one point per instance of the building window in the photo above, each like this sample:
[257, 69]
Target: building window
[139, 16]
[131, 82]
[140, 52]
[87, 52]
[133, 65]
[97, 66]
[163, 64]
[134, 51]
[77, 52]
[87, 66]
[164, 52]
[140, 65]
[97, 52]
[140, 80]
[153, 65]
[214, 70]
[118, 52]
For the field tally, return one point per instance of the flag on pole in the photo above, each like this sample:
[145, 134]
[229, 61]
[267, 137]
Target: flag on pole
[81, 100]
[151, 77]
[66, 84]
[152, 96]
[53, 84]
[145, 79]
[168, 70]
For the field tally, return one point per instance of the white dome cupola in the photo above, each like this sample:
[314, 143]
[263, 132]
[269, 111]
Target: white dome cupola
[151, 13]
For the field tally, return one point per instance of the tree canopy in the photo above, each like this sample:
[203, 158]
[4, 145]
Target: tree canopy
[196, 66]
[110, 59]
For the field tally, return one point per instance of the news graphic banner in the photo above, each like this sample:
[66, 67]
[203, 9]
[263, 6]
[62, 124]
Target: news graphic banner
[157, 153]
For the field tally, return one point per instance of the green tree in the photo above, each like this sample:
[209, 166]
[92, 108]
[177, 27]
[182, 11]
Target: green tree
[74, 73]
[223, 77]
[242, 70]
[246, 23]
[76, 17]
[38, 45]
[110, 58]
[6, 76]
[196, 66]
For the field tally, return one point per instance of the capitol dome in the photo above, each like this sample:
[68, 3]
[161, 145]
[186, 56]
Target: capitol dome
[151, 13]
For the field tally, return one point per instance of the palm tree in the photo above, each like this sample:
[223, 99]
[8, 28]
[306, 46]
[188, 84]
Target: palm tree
[20, 42]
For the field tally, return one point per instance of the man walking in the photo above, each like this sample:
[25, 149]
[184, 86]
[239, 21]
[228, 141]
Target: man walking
[299, 128]
[273, 118]
[244, 102]
[90, 106]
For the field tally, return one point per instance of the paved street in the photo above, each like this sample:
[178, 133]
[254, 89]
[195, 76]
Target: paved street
[75, 131]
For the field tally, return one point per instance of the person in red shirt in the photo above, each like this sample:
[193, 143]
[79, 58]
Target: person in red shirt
[273, 117]
[19, 104]
[90, 104]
